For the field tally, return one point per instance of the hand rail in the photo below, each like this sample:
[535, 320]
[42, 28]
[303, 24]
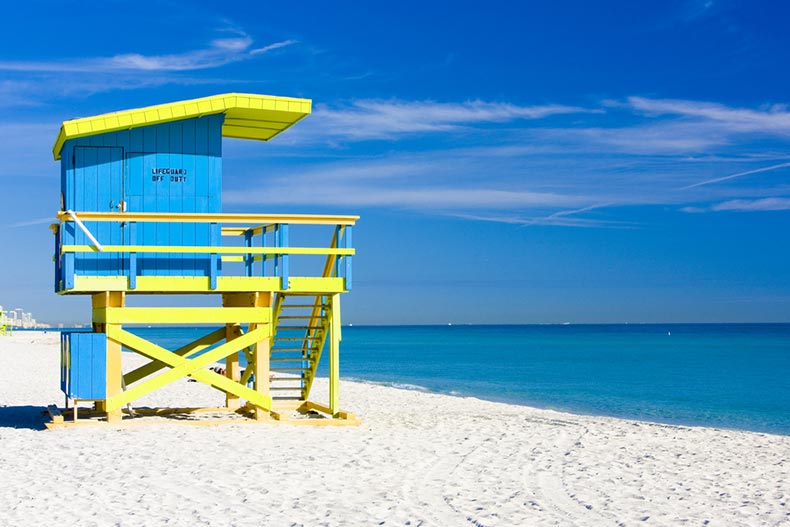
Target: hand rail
[258, 226]
[207, 249]
[84, 229]
[188, 217]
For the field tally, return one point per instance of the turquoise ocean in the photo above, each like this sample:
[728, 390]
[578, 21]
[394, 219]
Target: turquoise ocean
[722, 375]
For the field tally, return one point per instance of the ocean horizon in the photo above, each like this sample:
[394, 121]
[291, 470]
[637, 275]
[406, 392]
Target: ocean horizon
[717, 375]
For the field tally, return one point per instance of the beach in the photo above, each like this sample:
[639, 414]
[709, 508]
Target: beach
[417, 459]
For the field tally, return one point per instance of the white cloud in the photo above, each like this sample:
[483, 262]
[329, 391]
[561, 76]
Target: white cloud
[33, 82]
[648, 139]
[743, 205]
[376, 119]
[551, 220]
[737, 175]
[29, 223]
[218, 53]
[746, 205]
[272, 47]
[774, 119]
[424, 197]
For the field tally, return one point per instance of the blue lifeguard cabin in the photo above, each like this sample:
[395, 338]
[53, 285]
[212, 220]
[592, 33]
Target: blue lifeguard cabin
[141, 214]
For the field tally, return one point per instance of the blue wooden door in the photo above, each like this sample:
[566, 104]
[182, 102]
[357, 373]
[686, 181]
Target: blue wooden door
[98, 187]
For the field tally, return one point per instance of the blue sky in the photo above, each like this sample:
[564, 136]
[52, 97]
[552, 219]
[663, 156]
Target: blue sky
[549, 162]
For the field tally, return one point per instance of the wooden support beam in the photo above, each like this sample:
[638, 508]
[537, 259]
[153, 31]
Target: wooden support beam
[334, 357]
[54, 414]
[109, 300]
[232, 331]
[188, 350]
[261, 354]
[180, 315]
[182, 367]
[232, 372]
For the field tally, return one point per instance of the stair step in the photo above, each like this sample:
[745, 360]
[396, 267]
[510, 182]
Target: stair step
[286, 379]
[283, 388]
[297, 328]
[303, 306]
[281, 350]
[283, 339]
[287, 359]
[281, 398]
[297, 317]
[289, 369]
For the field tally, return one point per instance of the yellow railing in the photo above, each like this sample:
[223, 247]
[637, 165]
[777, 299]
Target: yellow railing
[254, 231]
[265, 220]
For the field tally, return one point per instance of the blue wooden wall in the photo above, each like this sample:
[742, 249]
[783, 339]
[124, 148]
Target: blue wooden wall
[171, 167]
[83, 367]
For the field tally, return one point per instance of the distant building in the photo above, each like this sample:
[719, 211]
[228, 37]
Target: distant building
[18, 318]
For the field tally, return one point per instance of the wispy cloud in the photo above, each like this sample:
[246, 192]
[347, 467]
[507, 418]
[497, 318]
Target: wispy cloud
[565, 218]
[376, 119]
[218, 53]
[29, 223]
[584, 167]
[736, 175]
[551, 220]
[434, 198]
[272, 47]
[748, 205]
[548, 164]
[773, 119]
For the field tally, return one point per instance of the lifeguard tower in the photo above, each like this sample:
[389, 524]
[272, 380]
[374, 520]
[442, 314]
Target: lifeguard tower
[141, 215]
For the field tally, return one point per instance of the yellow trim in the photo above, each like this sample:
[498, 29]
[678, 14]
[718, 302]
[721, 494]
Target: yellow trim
[200, 284]
[334, 356]
[204, 250]
[181, 315]
[193, 348]
[247, 116]
[182, 367]
[198, 217]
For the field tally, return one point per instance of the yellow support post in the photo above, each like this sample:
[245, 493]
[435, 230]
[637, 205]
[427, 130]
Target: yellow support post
[114, 379]
[261, 354]
[232, 371]
[232, 331]
[334, 356]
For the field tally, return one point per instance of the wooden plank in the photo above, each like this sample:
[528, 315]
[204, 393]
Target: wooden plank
[211, 249]
[334, 357]
[54, 414]
[185, 351]
[181, 315]
[296, 219]
[200, 284]
[232, 371]
[182, 367]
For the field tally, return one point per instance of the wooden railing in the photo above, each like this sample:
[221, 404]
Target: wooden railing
[266, 237]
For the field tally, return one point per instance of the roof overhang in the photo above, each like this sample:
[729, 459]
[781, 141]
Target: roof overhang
[247, 116]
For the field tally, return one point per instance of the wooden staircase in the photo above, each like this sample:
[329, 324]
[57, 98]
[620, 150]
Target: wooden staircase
[301, 327]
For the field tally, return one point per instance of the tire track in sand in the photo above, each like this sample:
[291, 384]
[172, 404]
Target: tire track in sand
[424, 496]
[544, 477]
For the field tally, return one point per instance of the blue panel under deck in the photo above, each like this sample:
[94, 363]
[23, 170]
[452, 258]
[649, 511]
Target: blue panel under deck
[84, 365]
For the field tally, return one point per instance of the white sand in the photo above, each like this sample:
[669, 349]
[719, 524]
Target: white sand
[418, 459]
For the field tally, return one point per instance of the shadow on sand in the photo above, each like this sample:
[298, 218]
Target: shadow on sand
[30, 417]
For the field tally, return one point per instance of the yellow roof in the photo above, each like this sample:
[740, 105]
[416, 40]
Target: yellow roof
[247, 116]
